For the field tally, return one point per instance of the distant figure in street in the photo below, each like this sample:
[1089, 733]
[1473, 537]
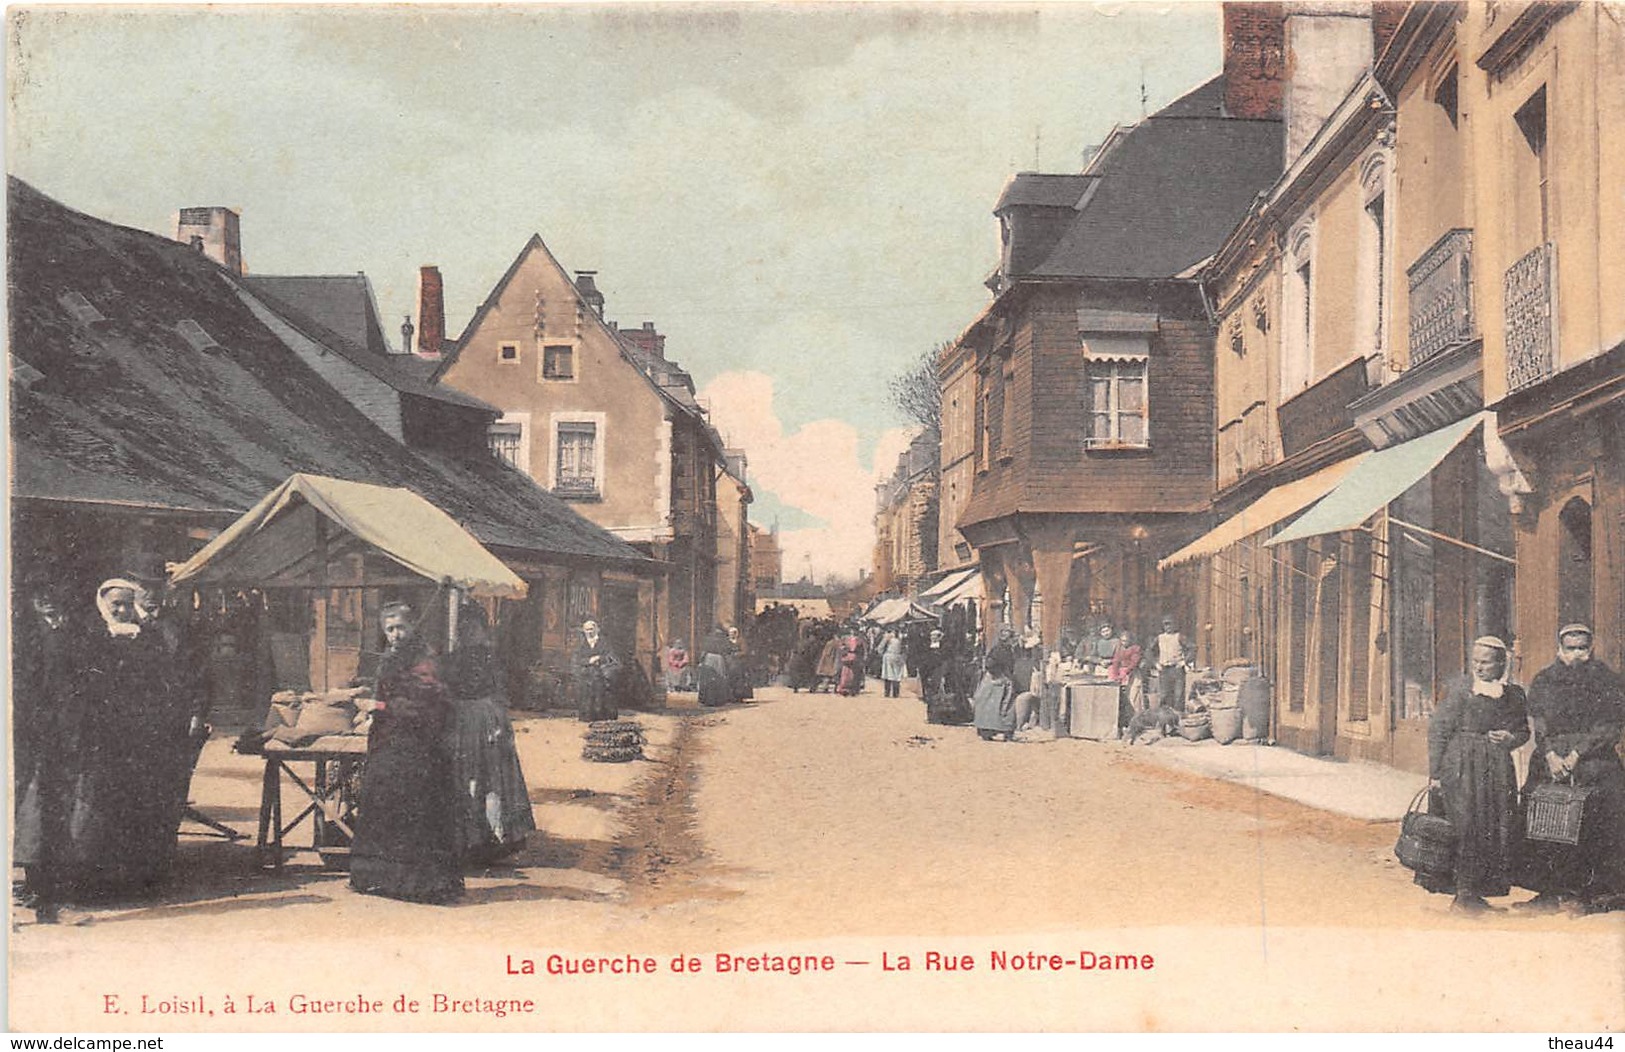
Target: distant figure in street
[1001, 656]
[829, 663]
[597, 674]
[715, 652]
[994, 707]
[893, 663]
[852, 656]
[1124, 670]
[407, 838]
[1577, 709]
[739, 684]
[677, 672]
[1471, 736]
[1171, 653]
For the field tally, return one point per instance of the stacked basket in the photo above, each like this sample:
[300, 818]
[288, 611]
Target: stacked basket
[613, 741]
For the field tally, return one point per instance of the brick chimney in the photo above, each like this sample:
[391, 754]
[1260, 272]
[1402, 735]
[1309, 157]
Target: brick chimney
[215, 230]
[647, 340]
[1254, 59]
[431, 313]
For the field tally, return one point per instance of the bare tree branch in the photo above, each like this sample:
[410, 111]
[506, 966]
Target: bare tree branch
[916, 391]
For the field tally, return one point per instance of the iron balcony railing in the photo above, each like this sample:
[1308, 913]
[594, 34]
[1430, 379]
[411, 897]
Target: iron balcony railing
[1441, 297]
[1531, 317]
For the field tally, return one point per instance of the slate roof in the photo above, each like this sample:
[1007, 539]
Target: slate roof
[1044, 189]
[1169, 191]
[127, 410]
[392, 369]
[342, 302]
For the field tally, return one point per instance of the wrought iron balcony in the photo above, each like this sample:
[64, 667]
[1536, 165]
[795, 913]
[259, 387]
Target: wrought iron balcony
[1441, 297]
[1530, 317]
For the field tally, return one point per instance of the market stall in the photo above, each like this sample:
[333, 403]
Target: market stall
[340, 545]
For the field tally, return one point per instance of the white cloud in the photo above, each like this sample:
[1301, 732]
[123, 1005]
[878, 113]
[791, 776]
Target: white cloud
[815, 469]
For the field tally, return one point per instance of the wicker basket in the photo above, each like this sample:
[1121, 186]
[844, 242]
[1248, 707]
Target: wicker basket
[1195, 727]
[1555, 812]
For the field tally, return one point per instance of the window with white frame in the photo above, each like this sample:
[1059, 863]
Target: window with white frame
[508, 353]
[509, 440]
[578, 456]
[1118, 409]
[1298, 315]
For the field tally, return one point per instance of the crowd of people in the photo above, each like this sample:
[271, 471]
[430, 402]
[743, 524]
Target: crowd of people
[110, 717]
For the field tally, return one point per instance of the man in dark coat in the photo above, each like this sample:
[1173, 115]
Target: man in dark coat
[1577, 709]
[45, 731]
[596, 671]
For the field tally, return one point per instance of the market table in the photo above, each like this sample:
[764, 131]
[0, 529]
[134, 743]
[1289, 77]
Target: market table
[337, 759]
[1091, 706]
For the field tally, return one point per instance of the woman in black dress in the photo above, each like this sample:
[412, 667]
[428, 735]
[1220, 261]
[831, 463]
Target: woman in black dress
[406, 838]
[1471, 737]
[134, 755]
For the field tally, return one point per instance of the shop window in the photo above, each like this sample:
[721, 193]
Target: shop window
[1298, 585]
[1574, 570]
[1411, 571]
[1357, 555]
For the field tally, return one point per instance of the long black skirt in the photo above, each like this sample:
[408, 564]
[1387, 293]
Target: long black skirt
[407, 824]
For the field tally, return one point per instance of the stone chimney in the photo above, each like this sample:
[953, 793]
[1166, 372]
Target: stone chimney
[589, 290]
[1254, 59]
[431, 313]
[1328, 47]
[216, 229]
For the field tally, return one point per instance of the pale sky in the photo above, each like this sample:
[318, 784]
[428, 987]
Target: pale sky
[799, 197]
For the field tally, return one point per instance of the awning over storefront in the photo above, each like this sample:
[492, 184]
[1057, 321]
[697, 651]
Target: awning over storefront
[284, 540]
[1381, 479]
[1279, 503]
[892, 611]
[949, 583]
[969, 588]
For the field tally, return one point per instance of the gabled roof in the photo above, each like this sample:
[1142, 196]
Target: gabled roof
[1169, 190]
[342, 302]
[665, 377]
[392, 369]
[129, 410]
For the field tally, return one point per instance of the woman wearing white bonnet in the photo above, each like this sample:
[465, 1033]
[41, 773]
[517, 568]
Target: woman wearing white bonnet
[1471, 736]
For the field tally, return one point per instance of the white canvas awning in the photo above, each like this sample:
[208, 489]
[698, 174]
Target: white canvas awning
[287, 540]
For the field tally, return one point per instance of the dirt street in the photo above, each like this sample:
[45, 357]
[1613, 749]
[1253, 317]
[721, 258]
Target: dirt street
[948, 883]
